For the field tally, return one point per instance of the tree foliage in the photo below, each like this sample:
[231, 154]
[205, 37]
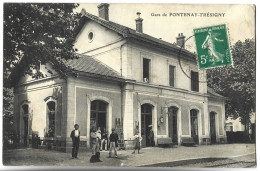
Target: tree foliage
[37, 32]
[237, 82]
[34, 33]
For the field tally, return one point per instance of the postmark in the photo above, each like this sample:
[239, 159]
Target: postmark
[212, 45]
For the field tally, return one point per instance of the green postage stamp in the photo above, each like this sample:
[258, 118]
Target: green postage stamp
[212, 46]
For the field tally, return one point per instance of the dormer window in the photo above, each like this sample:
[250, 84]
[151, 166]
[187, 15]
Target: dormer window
[146, 69]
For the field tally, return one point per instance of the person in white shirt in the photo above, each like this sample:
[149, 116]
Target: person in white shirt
[98, 133]
[75, 136]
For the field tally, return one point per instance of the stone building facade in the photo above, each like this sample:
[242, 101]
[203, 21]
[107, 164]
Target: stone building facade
[126, 80]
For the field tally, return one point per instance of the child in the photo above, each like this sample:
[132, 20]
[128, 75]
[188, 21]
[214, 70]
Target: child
[137, 141]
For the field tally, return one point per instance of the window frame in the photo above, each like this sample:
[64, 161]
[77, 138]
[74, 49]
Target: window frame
[174, 75]
[47, 100]
[194, 82]
[149, 69]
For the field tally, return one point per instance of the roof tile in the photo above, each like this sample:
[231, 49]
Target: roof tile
[91, 65]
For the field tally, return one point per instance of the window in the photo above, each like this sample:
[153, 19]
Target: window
[229, 127]
[25, 109]
[194, 81]
[146, 69]
[90, 36]
[171, 75]
[50, 119]
[98, 114]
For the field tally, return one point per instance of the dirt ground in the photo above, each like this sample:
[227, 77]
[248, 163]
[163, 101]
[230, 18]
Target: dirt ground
[222, 155]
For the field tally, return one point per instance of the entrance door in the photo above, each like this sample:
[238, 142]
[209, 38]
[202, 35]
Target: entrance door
[194, 125]
[98, 114]
[212, 127]
[172, 124]
[146, 122]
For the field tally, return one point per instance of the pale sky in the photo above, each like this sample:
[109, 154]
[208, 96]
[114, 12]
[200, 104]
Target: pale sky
[240, 19]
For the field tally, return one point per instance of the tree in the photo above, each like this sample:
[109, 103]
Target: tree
[238, 82]
[36, 33]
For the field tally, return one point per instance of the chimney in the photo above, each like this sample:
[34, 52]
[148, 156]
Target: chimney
[180, 40]
[139, 23]
[103, 10]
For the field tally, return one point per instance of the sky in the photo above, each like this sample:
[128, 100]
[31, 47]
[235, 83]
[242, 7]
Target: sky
[240, 19]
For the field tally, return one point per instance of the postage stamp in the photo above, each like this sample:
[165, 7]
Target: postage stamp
[212, 45]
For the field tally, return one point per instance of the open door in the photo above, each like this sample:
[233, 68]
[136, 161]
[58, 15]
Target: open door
[194, 125]
[172, 124]
[146, 120]
[212, 127]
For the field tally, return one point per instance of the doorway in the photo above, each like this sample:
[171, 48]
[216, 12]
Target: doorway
[194, 125]
[146, 122]
[98, 117]
[172, 124]
[212, 127]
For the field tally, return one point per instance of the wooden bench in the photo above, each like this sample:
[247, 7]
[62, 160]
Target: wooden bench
[164, 142]
[188, 141]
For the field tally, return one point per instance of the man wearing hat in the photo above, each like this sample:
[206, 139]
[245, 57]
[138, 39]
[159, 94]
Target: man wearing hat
[113, 138]
[75, 134]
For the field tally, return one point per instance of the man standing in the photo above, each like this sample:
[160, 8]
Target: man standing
[151, 137]
[75, 135]
[113, 138]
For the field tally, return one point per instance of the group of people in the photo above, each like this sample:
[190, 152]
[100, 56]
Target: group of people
[100, 140]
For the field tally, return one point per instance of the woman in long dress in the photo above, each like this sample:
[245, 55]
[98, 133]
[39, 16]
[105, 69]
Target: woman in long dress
[209, 44]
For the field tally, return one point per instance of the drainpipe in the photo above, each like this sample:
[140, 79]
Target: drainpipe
[122, 84]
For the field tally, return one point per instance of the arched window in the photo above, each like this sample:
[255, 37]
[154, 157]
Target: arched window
[25, 108]
[50, 125]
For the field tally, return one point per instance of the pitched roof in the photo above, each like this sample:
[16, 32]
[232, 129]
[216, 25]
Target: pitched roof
[92, 66]
[127, 32]
[212, 93]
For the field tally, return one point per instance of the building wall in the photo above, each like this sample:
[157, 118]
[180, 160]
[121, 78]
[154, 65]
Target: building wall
[102, 37]
[105, 47]
[161, 99]
[159, 71]
[82, 92]
[218, 106]
[37, 94]
[236, 124]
